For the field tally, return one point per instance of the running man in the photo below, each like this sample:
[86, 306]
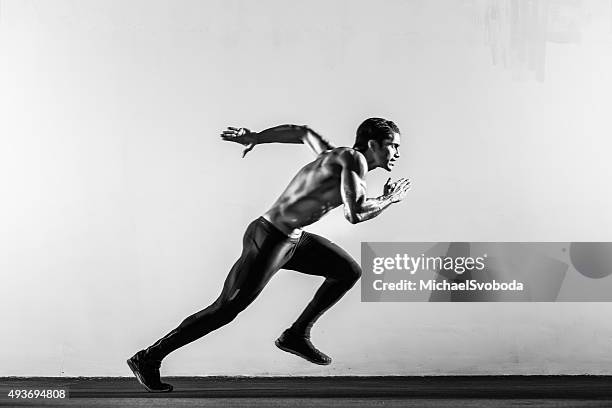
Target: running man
[276, 239]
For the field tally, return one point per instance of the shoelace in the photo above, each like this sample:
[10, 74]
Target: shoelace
[311, 346]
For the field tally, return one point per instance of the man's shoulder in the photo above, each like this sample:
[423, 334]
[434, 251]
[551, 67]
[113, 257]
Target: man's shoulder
[350, 158]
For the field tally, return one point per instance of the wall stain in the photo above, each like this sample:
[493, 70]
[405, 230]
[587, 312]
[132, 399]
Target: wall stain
[518, 32]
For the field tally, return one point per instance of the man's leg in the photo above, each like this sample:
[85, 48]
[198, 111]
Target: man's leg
[316, 255]
[264, 252]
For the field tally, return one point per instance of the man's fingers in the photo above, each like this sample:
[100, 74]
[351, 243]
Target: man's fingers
[402, 185]
[234, 131]
[231, 134]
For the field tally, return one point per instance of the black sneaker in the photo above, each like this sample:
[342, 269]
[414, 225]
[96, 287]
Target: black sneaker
[147, 372]
[300, 345]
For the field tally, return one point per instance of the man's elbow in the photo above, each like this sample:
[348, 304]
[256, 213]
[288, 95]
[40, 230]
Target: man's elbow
[303, 131]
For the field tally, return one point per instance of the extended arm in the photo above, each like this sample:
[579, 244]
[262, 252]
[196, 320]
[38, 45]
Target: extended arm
[357, 207]
[278, 134]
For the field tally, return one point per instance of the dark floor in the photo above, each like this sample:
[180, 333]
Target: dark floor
[484, 391]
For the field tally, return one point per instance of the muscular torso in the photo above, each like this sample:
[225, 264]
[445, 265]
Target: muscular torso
[313, 192]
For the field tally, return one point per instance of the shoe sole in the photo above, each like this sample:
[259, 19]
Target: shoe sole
[288, 350]
[141, 381]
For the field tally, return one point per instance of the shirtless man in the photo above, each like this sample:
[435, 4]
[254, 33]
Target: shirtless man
[276, 239]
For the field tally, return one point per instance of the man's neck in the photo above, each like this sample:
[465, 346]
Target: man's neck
[369, 160]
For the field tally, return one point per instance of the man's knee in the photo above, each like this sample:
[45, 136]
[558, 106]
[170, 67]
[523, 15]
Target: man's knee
[352, 273]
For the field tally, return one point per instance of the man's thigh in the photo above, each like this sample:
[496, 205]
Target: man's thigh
[262, 255]
[316, 255]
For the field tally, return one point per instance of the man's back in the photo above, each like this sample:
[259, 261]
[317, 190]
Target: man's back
[313, 192]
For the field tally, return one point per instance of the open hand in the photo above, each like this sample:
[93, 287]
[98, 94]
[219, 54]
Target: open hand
[240, 135]
[398, 190]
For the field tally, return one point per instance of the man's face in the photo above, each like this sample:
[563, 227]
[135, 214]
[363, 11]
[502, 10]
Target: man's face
[387, 153]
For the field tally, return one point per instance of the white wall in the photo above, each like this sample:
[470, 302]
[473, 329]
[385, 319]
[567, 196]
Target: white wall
[122, 210]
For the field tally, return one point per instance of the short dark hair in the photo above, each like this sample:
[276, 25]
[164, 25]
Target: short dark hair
[377, 129]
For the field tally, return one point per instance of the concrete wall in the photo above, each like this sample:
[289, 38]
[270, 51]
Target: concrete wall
[122, 209]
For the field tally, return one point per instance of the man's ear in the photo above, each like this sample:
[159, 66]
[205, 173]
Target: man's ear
[372, 144]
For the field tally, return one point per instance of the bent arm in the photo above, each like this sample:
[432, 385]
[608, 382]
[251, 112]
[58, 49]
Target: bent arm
[357, 207]
[294, 134]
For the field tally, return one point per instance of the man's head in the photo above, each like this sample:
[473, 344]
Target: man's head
[378, 139]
